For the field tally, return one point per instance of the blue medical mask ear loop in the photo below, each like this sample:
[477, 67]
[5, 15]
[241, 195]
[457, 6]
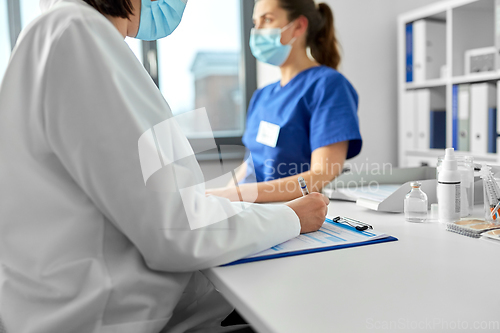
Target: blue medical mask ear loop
[286, 27]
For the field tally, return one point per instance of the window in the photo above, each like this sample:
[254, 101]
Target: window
[206, 62]
[30, 9]
[4, 39]
[200, 64]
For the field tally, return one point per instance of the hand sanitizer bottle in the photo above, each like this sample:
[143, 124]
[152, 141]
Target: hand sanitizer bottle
[448, 189]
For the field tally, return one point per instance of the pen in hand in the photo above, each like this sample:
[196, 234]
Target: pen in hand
[303, 186]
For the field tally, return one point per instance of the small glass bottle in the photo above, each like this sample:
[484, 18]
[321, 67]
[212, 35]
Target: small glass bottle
[415, 204]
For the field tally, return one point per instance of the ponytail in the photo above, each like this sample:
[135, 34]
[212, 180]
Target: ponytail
[321, 37]
[324, 45]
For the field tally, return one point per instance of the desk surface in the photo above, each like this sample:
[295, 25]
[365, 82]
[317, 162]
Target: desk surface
[430, 279]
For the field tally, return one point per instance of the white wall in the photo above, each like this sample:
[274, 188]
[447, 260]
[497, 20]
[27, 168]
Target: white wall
[367, 31]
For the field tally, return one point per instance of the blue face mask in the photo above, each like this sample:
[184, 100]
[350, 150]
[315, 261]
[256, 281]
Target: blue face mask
[266, 45]
[159, 18]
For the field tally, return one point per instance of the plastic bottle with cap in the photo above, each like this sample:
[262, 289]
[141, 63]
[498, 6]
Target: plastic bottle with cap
[448, 189]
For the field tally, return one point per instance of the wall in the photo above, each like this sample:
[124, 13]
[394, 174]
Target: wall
[367, 31]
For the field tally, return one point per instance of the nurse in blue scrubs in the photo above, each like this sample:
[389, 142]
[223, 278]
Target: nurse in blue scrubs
[306, 124]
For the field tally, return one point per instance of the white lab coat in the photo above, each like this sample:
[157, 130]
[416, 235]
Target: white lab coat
[85, 246]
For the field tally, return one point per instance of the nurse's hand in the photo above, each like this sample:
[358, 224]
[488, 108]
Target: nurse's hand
[311, 210]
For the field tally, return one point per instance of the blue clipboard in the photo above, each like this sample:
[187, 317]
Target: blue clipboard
[321, 249]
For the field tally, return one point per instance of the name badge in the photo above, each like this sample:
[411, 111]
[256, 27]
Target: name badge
[268, 134]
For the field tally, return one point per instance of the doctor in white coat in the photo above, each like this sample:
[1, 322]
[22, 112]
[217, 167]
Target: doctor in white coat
[85, 245]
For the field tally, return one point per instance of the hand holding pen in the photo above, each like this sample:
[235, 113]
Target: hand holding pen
[360, 226]
[311, 210]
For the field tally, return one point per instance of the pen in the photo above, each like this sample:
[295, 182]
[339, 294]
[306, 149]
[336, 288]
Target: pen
[303, 186]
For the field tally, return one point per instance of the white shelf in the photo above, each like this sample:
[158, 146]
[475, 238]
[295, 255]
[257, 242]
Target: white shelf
[427, 84]
[476, 77]
[433, 10]
[470, 24]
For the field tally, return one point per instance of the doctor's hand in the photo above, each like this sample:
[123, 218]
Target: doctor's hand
[311, 210]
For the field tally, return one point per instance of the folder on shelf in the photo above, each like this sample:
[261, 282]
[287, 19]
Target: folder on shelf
[427, 100]
[482, 98]
[498, 118]
[437, 135]
[429, 49]
[418, 51]
[463, 117]
[331, 236]
[409, 123]
[409, 52]
[423, 121]
[492, 131]
[454, 117]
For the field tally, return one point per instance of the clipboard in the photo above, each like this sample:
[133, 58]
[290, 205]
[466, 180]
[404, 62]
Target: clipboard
[327, 238]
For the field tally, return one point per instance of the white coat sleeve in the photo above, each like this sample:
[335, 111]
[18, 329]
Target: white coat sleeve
[98, 101]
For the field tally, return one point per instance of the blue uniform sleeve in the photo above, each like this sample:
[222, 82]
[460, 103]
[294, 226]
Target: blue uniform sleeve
[334, 114]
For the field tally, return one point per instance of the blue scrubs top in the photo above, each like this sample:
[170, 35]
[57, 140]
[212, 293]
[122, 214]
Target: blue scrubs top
[318, 107]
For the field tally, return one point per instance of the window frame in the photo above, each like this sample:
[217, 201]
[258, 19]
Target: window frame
[14, 17]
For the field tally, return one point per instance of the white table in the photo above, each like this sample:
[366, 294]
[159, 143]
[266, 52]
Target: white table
[429, 279]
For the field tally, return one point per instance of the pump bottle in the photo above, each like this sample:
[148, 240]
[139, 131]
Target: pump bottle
[448, 189]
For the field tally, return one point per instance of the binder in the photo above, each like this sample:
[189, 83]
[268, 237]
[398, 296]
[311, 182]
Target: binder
[409, 52]
[419, 51]
[454, 117]
[492, 131]
[429, 49]
[437, 131]
[409, 124]
[498, 120]
[482, 98]
[423, 118]
[331, 236]
[427, 100]
[463, 117]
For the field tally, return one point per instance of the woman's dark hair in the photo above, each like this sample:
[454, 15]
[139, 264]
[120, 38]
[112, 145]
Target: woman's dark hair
[116, 8]
[321, 36]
